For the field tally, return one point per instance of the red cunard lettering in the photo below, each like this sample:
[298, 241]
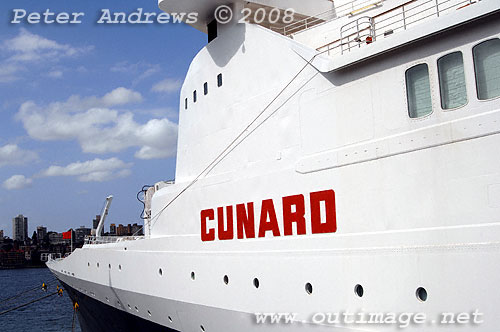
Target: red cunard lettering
[225, 234]
[207, 234]
[268, 221]
[323, 218]
[290, 217]
[245, 221]
[330, 224]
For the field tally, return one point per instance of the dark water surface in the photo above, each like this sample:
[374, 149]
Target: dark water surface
[52, 314]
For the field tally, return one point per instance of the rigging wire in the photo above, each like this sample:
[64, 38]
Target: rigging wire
[230, 146]
[58, 292]
[25, 292]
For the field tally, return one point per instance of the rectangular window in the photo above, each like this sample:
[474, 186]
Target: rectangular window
[194, 96]
[205, 88]
[186, 104]
[418, 90]
[452, 81]
[487, 69]
[219, 80]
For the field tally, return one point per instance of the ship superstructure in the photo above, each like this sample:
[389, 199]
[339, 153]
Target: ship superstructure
[345, 162]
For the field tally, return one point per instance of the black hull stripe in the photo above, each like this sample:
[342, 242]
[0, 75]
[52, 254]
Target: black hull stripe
[95, 316]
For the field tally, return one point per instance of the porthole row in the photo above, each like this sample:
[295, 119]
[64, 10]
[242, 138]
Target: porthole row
[359, 291]
[205, 91]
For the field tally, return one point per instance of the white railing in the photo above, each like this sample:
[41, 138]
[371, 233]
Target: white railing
[44, 257]
[348, 9]
[91, 240]
[357, 34]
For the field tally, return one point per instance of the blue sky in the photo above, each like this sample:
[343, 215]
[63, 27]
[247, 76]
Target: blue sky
[86, 110]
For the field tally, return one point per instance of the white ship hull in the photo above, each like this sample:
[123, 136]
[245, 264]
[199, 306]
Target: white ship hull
[416, 201]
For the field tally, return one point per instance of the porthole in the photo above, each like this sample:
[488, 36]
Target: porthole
[160, 271]
[149, 313]
[88, 264]
[219, 80]
[97, 264]
[119, 267]
[359, 291]
[107, 299]
[186, 104]
[193, 276]
[109, 266]
[309, 288]
[136, 309]
[205, 88]
[195, 98]
[421, 294]
[170, 319]
[256, 283]
[202, 328]
[226, 279]
[129, 307]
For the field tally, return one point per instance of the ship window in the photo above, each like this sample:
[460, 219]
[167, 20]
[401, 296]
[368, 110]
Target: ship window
[452, 81]
[205, 88]
[219, 80]
[359, 291]
[487, 69]
[194, 96]
[418, 90]
[186, 104]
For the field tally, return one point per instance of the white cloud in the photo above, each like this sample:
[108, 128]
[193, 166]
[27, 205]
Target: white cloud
[16, 182]
[141, 70]
[97, 170]
[11, 154]
[121, 96]
[167, 86]
[97, 127]
[10, 72]
[55, 74]
[27, 47]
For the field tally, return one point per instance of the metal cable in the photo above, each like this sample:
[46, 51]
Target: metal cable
[31, 302]
[25, 292]
[230, 147]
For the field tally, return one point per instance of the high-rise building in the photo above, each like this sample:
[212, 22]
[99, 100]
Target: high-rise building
[95, 223]
[40, 233]
[20, 228]
[136, 230]
[81, 232]
[112, 229]
[121, 230]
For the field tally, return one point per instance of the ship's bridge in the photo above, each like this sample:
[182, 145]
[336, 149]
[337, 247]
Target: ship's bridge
[304, 12]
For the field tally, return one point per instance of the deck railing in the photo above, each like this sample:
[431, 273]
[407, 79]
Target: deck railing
[91, 240]
[366, 30]
[351, 8]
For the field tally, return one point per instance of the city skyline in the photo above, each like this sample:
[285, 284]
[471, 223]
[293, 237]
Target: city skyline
[77, 101]
[41, 231]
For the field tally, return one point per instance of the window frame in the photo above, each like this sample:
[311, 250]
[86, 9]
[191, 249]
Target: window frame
[195, 96]
[438, 82]
[405, 84]
[205, 88]
[474, 68]
[220, 80]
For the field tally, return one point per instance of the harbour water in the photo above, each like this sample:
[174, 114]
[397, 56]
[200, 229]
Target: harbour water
[51, 314]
